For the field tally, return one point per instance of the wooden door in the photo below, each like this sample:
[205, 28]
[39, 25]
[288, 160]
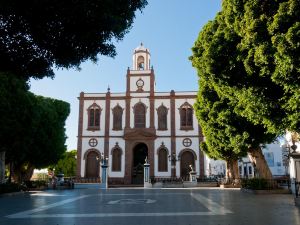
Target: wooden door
[186, 159]
[92, 165]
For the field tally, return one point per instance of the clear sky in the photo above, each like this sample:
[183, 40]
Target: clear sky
[168, 28]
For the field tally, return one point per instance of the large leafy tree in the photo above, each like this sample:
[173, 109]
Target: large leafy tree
[261, 73]
[37, 35]
[16, 106]
[32, 127]
[216, 120]
[44, 138]
[229, 135]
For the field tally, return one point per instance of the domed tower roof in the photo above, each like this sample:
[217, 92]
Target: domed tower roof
[141, 47]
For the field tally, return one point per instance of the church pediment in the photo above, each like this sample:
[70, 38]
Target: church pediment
[139, 133]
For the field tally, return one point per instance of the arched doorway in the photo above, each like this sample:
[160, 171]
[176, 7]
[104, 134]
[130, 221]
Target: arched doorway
[140, 152]
[186, 159]
[92, 165]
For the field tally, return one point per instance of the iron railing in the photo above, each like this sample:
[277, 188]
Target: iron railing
[166, 179]
[182, 179]
[87, 180]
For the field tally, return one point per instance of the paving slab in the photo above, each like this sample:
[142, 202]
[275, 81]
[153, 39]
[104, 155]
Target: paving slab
[148, 206]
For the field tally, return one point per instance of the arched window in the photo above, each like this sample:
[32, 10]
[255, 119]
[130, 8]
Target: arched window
[140, 62]
[162, 160]
[139, 115]
[116, 159]
[162, 115]
[94, 112]
[117, 117]
[186, 117]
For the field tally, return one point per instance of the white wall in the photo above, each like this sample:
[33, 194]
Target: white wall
[113, 104]
[157, 145]
[112, 144]
[194, 147]
[277, 168]
[86, 147]
[134, 79]
[178, 104]
[135, 101]
[166, 103]
[87, 104]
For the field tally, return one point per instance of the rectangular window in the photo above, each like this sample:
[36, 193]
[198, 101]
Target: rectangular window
[189, 115]
[91, 121]
[269, 158]
[97, 118]
[183, 117]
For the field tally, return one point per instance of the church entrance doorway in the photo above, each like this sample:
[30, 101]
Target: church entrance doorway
[187, 158]
[140, 152]
[92, 165]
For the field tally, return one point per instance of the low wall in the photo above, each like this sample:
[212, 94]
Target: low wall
[185, 184]
[271, 191]
[87, 186]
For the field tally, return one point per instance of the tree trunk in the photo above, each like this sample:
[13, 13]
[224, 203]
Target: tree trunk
[15, 173]
[22, 172]
[27, 174]
[232, 169]
[261, 168]
[2, 167]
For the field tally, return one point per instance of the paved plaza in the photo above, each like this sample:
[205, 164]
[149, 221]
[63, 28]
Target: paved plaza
[150, 206]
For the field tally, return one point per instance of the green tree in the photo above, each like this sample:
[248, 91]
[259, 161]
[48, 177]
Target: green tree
[263, 78]
[33, 134]
[37, 35]
[67, 164]
[215, 119]
[229, 135]
[16, 105]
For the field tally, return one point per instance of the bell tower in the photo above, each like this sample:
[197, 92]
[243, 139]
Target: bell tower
[140, 78]
[141, 58]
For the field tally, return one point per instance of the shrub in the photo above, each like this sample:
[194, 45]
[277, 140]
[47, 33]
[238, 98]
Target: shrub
[258, 184]
[35, 183]
[11, 187]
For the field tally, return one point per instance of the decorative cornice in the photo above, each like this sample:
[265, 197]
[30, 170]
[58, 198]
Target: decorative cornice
[140, 134]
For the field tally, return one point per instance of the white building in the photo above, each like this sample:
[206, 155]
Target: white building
[128, 127]
[275, 155]
[292, 144]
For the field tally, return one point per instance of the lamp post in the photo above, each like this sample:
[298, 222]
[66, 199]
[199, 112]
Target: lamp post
[173, 159]
[291, 149]
[103, 165]
[294, 167]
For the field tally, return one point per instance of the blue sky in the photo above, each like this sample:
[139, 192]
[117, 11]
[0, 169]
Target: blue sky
[168, 28]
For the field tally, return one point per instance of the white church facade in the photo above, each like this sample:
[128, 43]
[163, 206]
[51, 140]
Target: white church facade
[127, 127]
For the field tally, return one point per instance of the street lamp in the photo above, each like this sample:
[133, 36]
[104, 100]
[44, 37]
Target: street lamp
[173, 158]
[293, 147]
[290, 150]
[100, 160]
[103, 161]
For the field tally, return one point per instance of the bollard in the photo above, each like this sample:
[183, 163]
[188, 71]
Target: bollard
[147, 180]
[104, 174]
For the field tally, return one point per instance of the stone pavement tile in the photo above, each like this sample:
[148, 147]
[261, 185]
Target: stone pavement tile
[139, 206]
